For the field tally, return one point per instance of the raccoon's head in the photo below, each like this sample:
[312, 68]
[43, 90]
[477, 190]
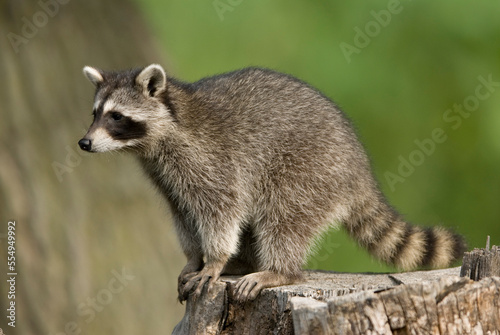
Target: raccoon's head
[129, 108]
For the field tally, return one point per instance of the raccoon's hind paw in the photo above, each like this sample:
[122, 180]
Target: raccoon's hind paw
[249, 286]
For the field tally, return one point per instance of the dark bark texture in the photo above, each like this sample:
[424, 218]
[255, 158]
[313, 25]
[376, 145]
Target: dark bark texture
[481, 263]
[425, 302]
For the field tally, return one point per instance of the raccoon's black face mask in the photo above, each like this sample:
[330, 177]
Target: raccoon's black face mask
[121, 108]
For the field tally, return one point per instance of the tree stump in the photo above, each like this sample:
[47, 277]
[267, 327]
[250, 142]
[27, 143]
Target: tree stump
[481, 263]
[425, 302]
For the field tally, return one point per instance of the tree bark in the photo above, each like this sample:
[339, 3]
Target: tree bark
[481, 263]
[425, 302]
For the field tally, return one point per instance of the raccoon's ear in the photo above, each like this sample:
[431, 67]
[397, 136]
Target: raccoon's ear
[153, 80]
[93, 74]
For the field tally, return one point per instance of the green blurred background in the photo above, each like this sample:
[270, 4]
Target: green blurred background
[409, 68]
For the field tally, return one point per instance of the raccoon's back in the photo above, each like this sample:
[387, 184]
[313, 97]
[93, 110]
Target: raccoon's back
[268, 124]
[264, 104]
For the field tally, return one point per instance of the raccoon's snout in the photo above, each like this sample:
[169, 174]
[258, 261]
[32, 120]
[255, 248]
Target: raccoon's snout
[85, 144]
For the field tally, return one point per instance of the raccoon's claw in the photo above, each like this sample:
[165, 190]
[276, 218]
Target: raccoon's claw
[198, 281]
[189, 271]
[182, 296]
[181, 282]
[248, 287]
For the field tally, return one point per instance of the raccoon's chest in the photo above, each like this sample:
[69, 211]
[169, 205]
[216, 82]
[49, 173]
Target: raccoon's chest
[175, 184]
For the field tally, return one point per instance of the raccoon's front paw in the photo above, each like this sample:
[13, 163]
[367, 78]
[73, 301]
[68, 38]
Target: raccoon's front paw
[196, 281]
[189, 271]
[181, 282]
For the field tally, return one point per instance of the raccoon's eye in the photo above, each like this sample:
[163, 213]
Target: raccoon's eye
[116, 116]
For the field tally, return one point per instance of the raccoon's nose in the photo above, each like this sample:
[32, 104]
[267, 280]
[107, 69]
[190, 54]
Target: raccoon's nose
[85, 144]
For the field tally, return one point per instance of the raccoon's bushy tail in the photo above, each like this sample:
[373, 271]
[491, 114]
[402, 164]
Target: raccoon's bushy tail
[381, 230]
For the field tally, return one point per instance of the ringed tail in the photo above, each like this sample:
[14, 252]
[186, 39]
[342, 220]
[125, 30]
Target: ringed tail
[382, 231]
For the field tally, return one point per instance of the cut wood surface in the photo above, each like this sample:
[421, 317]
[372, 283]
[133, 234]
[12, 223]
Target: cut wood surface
[424, 302]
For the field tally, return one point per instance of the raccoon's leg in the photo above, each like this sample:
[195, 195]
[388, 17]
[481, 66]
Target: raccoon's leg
[190, 244]
[282, 245]
[245, 261]
[219, 243]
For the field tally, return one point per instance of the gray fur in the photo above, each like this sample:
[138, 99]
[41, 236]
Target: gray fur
[255, 165]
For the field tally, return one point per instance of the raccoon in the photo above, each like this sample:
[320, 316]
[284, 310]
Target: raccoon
[255, 165]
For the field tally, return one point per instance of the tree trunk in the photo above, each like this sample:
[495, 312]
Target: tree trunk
[425, 302]
[83, 222]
